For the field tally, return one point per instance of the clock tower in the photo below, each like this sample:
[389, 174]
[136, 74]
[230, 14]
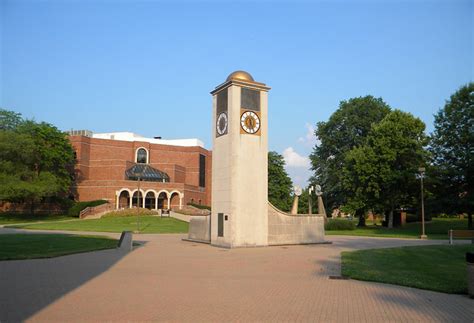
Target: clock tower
[239, 215]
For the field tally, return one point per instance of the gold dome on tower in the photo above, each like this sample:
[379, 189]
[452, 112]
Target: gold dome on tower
[240, 75]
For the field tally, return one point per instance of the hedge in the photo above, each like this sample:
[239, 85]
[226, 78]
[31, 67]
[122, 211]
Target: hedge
[339, 224]
[130, 212]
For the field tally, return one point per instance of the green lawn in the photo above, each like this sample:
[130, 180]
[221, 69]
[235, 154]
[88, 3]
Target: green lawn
[6, 218]
[435, 229]
[438, 268]
[148, 224]
[29, 246]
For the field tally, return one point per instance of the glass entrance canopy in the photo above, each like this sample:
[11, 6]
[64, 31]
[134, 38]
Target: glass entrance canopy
[146, 173]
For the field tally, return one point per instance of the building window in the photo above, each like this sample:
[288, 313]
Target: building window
[142, 156]
[202, 171]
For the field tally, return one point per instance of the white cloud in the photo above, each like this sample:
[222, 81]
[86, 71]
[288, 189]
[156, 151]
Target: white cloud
[293, 159]
[299, 176]
[309, 139]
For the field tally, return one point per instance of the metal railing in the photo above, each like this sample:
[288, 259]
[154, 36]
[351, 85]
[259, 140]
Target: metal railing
[94, 210]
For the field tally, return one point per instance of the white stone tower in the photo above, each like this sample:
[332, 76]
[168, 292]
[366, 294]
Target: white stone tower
[239, 163]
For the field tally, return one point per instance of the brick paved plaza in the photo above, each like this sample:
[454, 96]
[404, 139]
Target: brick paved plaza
[171, 280]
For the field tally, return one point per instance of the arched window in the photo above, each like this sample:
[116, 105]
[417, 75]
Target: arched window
[142, 156]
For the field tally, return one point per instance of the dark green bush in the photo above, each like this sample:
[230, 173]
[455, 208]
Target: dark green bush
[202, 207]
[339, 224]
[417, 217]
[446, 216]
[63, 202]
[79, 206]
[412, 218]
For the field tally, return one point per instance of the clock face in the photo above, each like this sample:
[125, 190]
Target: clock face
[221, 124]
[250, 122]
[297, 190]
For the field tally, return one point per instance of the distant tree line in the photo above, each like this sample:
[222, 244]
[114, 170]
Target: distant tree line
[36, 160]
[369, 156]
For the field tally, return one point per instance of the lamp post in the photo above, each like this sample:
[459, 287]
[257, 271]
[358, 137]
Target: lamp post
[138, 204]
[422, 175]
[310, 206]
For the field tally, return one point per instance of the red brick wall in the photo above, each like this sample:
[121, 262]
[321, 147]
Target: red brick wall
[101, 165]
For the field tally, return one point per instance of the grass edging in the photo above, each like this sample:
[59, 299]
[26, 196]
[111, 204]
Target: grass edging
[117, 224]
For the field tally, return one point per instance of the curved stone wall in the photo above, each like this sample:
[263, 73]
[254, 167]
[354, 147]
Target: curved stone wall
[284, 228]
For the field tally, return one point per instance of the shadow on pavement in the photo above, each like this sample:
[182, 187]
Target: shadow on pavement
[28, 286]
[433, 305]
[329, 266]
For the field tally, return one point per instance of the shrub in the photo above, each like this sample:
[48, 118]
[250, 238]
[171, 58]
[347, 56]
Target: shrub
[130, 212]
[79, 206]
[202, 207]
[339, 224]
[412, 218]
[446, 216]
[63, 202]
[417, 217]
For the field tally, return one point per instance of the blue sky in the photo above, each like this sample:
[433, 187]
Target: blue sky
[148, 66]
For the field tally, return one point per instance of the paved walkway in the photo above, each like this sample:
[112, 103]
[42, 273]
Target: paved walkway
[171, 280]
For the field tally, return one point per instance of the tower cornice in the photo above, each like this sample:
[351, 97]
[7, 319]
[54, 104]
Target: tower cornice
[248, 84]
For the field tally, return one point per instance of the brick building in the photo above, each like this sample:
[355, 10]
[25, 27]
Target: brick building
[172, 172]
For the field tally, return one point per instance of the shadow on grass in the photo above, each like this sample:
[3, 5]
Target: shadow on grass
[28, 286]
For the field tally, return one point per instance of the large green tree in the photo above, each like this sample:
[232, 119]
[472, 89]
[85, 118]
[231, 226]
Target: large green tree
[53, 151]
[346, 129]
[36, 161]
[381, 172]
[279, 183]
[453, 153]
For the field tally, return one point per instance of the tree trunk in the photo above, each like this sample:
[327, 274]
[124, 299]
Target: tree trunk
[32, 207]
[390, 219]
[469, 221]
[361, 215]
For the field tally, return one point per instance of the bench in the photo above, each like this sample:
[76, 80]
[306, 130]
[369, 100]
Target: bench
[165, 211]
[461, 234]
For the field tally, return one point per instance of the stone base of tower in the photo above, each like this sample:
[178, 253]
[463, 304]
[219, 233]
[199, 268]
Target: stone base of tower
[200, 228]
[283, 229]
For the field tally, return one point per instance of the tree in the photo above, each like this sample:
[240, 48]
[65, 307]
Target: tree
[279, 183]
[453, 153]
[346, 129]
[9, 120]
[53, 151]
[36, 161]
[303, 202]
[381, 173]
